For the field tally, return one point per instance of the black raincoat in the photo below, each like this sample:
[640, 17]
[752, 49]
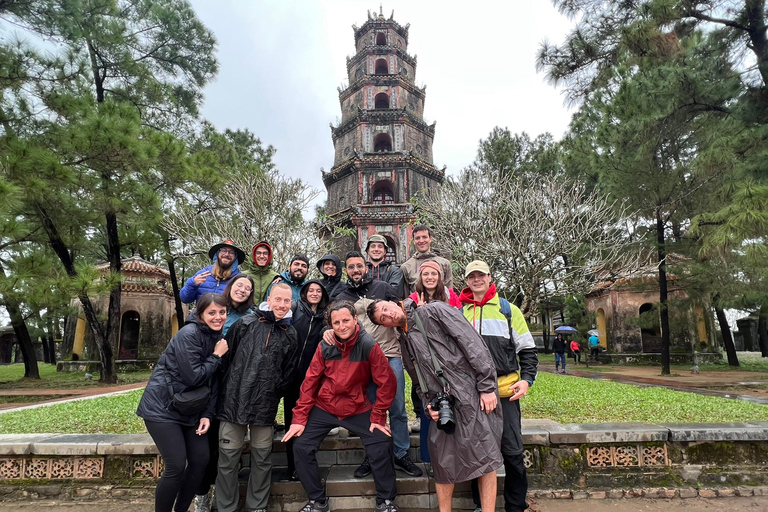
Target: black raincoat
[309, 327]
[330, 282]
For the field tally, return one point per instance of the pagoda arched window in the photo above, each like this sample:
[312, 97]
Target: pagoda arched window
[383, 193]
[382, 142]
[381, 100]
[391, 251]
[382, 67]
[381, 39]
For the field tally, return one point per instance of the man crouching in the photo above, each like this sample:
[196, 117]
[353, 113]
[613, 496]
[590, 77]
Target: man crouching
[334, 395]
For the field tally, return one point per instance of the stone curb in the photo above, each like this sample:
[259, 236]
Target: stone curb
[650, 493]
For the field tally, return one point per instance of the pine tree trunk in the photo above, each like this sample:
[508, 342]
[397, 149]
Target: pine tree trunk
[762, 330]
[174, 285]
[725, 331]
[663, 295]
[51, 338]
[24, 340]
[46, 354]
[108, 369]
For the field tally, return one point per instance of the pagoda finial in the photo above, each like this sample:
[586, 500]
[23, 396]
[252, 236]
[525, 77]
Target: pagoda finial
[381, 10]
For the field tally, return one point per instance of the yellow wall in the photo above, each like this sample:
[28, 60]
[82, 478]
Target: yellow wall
[601, 327]
[77, 347]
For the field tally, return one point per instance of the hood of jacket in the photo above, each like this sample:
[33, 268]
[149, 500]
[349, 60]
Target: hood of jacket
[323, 302]
[263, 312]
[335, 259]
[269, 258]
[467, 297]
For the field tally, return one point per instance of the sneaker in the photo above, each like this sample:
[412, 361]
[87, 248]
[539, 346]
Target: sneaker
[203, 503]
[316, 506]
[415, 425]
[404, 464]
[430, 471]
[478, 509]
[386, 506]
[334, 431]
[364, 469]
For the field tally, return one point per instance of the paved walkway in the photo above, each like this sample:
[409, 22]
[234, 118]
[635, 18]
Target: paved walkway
[66, 395]
[700, 383]
[753, 504]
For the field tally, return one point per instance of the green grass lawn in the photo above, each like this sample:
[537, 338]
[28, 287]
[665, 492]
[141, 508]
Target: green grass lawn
[12, 377]
[558, 397]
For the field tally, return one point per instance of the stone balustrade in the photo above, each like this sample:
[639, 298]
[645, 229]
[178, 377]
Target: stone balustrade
[574, 459]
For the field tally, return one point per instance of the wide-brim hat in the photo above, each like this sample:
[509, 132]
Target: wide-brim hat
[377, 238]
[228, 243]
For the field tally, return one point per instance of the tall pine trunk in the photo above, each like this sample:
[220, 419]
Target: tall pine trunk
[23, 338]
[725, 331]
[174, 284]
[51, 339]
[112, 340]
[663, 295]
[762, 330]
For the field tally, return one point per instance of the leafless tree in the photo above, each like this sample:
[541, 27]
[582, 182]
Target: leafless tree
[541, 237]
[249, 209]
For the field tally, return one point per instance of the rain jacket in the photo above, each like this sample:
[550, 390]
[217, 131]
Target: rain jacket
[192, 291]
[261, 362]
[558, 346]
[411, 270]
[389, 273]
[309, 327]
[508, 339]
[338, 377]
[262, 276]
[330, 282]
[363, 294]
[285, 277]
[474, 448]
[188, 362]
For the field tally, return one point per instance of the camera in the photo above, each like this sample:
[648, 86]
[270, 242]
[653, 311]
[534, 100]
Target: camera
[443, 404]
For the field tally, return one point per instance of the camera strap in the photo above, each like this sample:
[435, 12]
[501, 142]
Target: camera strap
[435, 362]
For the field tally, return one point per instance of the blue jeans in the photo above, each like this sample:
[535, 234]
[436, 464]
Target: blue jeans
[398, 418]
[559, 358]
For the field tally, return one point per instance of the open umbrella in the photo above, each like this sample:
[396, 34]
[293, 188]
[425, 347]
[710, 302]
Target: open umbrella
[566, 329]
[593, 332]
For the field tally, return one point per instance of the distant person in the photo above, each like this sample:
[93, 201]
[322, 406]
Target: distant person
[262, 272]
[576, 351]
[294, 276]
[558, 347]
[190, 361]
[594, 347]
[226, 258]
[330, 268]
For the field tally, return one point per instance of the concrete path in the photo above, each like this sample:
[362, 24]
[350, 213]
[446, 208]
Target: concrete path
[753, 504]
[691, 383]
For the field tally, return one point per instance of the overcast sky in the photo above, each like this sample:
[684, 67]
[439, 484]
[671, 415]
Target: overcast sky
[281, 64]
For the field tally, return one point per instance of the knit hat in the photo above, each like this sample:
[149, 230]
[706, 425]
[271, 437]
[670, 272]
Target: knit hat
[433, 265]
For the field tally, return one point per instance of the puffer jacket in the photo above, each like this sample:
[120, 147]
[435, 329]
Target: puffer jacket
[508, 339]
[338, 378]
[188, 362]
[262, 276]
[389, 273]
[261, 362]
[309, 327]
[330, 282]
[411, 270]
[192, 291]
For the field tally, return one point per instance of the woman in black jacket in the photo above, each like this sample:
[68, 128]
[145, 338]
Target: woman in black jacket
[189, 361]
[309, 322]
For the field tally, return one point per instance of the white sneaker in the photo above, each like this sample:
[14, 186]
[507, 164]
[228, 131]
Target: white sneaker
[203, 503]
[334, 431]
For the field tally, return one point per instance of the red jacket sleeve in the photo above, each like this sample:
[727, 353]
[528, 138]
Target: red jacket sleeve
[384, 378]
[309, 387]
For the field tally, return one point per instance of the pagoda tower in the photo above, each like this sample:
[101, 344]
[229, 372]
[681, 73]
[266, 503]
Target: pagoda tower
[382, 146]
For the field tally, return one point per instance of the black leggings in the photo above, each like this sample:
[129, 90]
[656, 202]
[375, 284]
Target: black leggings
[185, 455]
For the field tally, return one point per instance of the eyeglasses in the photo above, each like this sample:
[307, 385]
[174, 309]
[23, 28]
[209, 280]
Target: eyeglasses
[227, 251]
[262, 253]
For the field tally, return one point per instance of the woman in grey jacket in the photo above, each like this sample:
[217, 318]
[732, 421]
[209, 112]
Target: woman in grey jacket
[190, 360]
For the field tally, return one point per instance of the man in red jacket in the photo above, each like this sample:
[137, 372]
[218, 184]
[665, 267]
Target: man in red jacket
[334, 395]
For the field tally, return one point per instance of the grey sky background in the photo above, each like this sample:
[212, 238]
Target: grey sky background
[281, 64]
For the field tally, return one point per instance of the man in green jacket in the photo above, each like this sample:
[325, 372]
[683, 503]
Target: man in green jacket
[261, 272]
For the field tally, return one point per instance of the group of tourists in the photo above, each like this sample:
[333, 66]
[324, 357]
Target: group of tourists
[335, 351]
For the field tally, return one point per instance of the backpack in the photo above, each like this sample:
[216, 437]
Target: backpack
[506, 310]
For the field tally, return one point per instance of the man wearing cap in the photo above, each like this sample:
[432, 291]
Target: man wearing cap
[505, 332]
[381, 270]
[262, 272]
[295, 275]
[422, 241]
[214, 278]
